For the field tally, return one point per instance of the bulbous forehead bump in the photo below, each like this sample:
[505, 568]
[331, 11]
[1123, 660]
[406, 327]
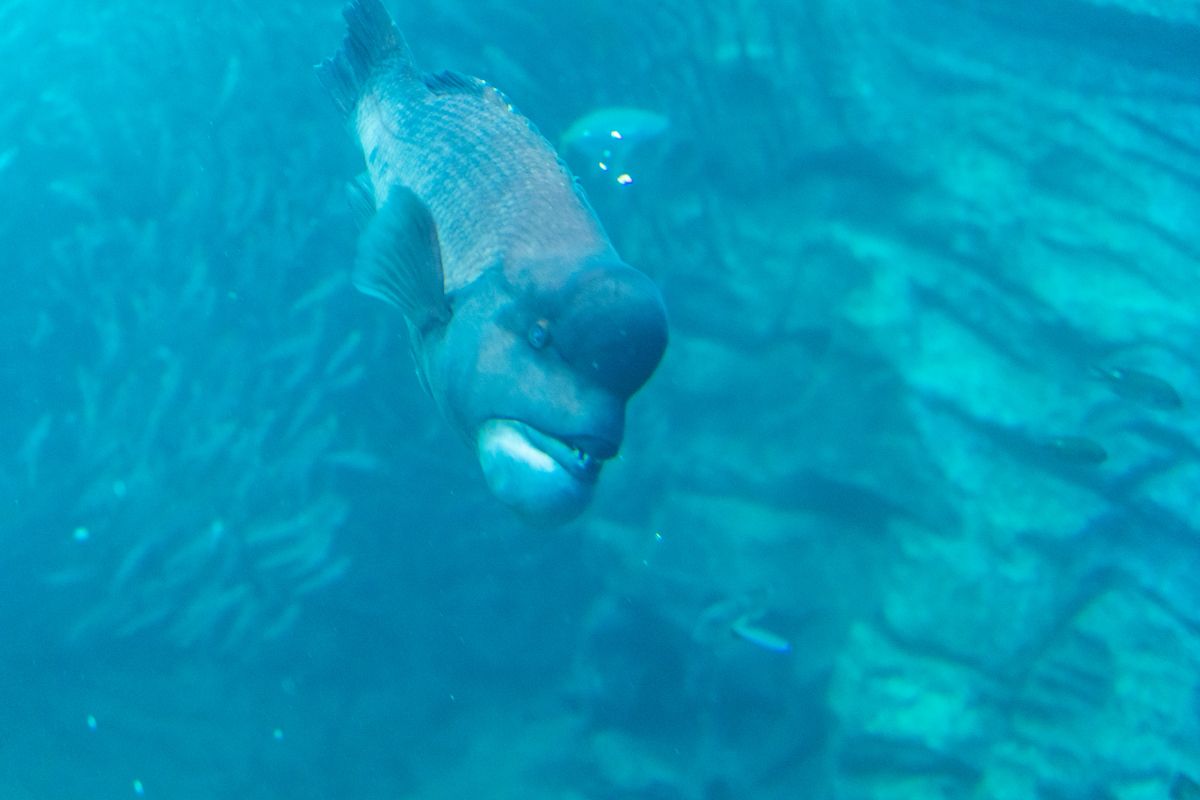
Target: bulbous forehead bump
[611, 326]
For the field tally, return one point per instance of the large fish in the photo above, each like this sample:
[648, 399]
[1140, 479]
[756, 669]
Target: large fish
[528, 329]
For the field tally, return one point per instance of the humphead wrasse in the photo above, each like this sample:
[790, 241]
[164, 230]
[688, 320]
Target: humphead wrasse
[527, 328]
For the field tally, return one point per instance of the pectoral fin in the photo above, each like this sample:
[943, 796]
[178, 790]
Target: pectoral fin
[399, 260]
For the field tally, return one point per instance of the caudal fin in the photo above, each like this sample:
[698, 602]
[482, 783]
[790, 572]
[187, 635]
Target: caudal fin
[372, 40]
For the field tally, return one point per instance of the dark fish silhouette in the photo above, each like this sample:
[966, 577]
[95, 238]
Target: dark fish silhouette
[1184, 788]
[527, 328]
[1074, 449]
[1140, 387]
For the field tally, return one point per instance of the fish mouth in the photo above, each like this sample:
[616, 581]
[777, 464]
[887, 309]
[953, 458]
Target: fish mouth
[545, 478]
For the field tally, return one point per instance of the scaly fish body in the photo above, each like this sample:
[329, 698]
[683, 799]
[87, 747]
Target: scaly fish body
[528, 330]
[496, 190]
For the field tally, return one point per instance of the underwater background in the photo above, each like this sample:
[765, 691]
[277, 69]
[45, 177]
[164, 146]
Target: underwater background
[908, 511]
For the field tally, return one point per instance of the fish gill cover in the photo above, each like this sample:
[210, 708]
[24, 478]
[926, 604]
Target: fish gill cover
[907, 512]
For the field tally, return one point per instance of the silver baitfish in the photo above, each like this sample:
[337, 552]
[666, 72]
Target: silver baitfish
[527, 328]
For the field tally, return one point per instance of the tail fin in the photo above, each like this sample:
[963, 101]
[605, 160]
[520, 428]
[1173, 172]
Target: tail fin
[372, 40]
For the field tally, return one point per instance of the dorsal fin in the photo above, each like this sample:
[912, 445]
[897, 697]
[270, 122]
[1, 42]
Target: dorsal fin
[448, 82]
[400, 261]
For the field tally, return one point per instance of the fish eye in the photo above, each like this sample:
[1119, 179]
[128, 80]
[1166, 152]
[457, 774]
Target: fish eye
[539, 334]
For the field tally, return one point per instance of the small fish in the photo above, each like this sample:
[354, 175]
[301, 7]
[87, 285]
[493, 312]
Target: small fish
[1184, 787]
[70, 576]
[360, 460]
[323, 577]
[349, 378]
[344, 351]
[607, 137]
[1140, 387]
[282, 624]
[528, 329]
[229, 83]
[744, 628]
[1074, 449]
[320, 292]
[616, 123]
[31, 448]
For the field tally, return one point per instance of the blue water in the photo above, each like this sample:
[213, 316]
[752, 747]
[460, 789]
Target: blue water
[907, 511]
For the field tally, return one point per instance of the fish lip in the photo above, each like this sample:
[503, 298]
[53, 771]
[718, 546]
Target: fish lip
[581, 456]
[546, 482]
